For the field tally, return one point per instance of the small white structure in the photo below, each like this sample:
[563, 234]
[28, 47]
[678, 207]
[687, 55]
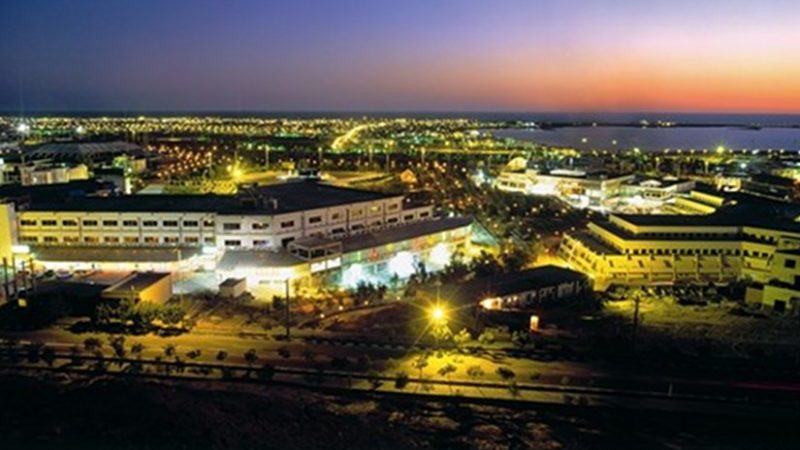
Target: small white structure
[233, 287]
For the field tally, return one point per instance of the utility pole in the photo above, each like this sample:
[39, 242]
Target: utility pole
[266, 156]
[286, 311]
[636, 300]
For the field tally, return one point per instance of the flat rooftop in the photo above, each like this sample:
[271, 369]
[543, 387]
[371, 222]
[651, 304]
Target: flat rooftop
[53, 193]
[505, 284]
[138, 281]
[585, 174]
[121, 254]
[238, 259]
[280, 198]
[401, 233]
[77, 151]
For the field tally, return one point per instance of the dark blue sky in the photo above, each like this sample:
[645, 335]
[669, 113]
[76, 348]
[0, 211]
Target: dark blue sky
[688, 55]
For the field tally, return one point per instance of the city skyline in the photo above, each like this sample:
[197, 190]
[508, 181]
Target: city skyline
[392, 56]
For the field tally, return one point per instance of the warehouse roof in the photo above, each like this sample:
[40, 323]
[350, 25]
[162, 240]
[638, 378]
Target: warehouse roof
[279, 198]
[137, 282]
[98, 253]
[505, 284]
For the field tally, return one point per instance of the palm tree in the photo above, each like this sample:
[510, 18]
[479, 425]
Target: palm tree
[169, 350]
[34, 350]
[250, 357]
[137, 349]
[445, 371]
[421, 363]
[48, 355]
[75, 355]
[266, 373]
[91, 344]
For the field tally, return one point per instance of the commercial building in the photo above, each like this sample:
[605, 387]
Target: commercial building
[744, 238]
[267, 233]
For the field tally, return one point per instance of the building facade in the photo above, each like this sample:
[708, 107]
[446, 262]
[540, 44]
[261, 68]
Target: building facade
[734, 243]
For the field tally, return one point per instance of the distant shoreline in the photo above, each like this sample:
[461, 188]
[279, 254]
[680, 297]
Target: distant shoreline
[510, 119]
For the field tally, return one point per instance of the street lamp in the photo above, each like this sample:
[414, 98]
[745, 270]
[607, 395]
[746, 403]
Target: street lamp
[438, 319]
[437, 314]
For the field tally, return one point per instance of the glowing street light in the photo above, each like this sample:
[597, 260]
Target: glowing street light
[437, 314]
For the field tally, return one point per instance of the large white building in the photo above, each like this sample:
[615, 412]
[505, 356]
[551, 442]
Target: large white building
[262, 230]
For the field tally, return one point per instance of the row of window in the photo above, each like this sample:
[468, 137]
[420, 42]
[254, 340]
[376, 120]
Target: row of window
[117, 240]
[238, 243]
[115, 223]
[228, 226]
[706, 251]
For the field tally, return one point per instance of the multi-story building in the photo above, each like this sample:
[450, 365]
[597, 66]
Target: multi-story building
[262, 230]
[741, 240]
[580, 188]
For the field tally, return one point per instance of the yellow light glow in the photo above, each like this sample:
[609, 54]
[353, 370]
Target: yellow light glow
[437, 314]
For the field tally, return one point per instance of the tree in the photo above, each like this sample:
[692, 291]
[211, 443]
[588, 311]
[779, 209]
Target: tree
[514, 259]
[250, 357]
[34, 352]
[172, 314]
[284, 352]
[487, 337]
[169, 350]
[340, 363]
[420, 363]
[505, 373]
[48, 355]
[374, 379]
[222, 355]
[440, 331]
[475, 372]
[266, 373]
[194, 354]
[461, 338]
[363, 361]
[75, 355]
[401, 380]
[391, 364]
[92, 344]
[445, 371]
[118, 345]
[137, 349]
[521, 339]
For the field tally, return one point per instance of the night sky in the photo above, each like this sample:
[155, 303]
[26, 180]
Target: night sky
[475, 55]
